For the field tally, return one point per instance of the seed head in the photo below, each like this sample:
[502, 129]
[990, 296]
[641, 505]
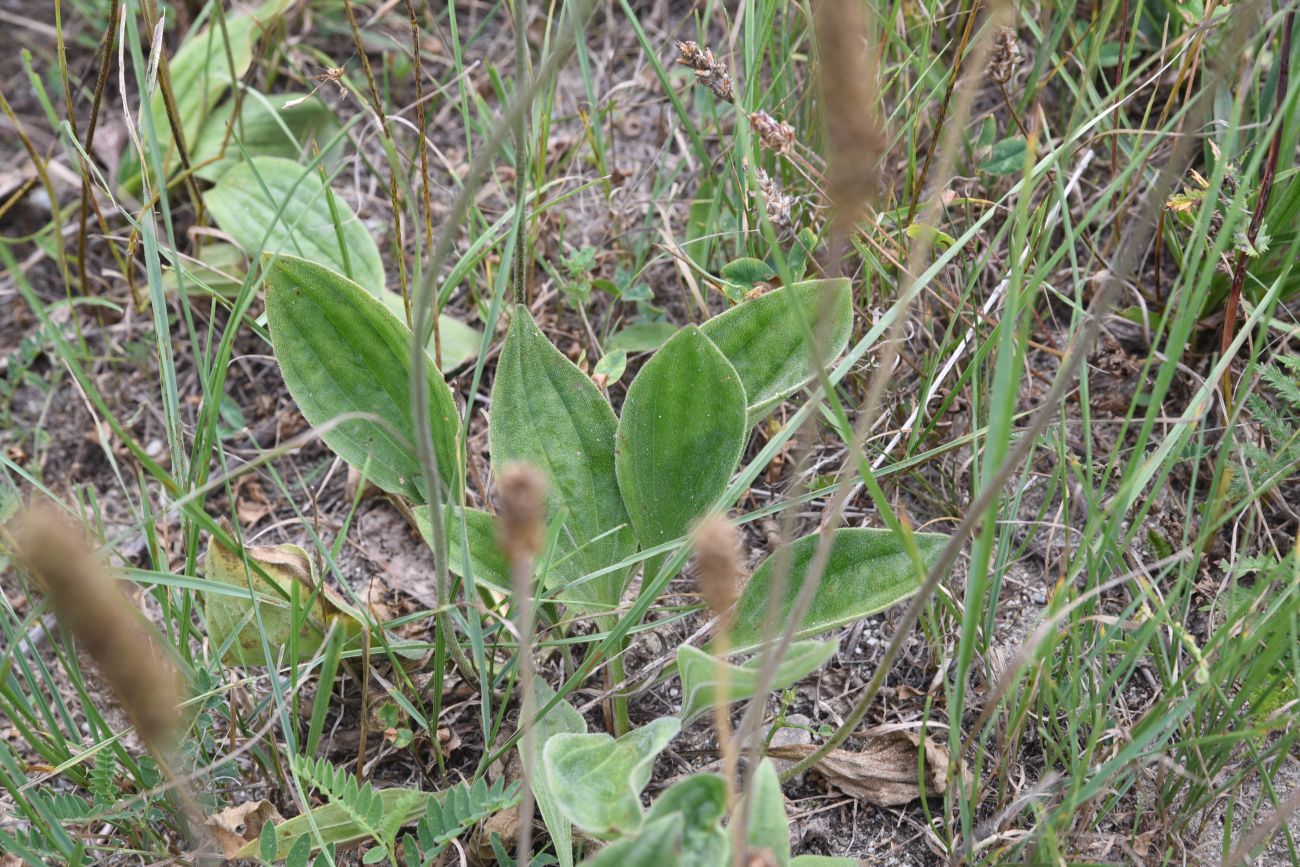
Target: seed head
[87, 603]
[775, 201]
[1005, 58]
[522, 494]
[709, 71]
[775, 135]
[718, 562]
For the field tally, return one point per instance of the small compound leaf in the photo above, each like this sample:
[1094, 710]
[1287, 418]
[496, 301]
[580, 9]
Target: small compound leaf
[887, 772]
[341, 351]
[263, 128]
[701, 800]
[275, 205]
[867, 571]
[763, 341]
[561, 719]
[597, 781]
[680, 438]
[658, 845]
[547, 413]
[768, 827]
[399, 807]
[700, 671]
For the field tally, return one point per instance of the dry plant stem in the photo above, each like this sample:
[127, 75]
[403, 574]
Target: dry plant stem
[1124, 265]
[919, 188]
[421, 311]
[150, 11]
[426, 200]
[519, 14]
[394, 198]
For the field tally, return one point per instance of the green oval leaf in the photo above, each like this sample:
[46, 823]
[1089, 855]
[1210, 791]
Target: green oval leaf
[701, 801]
[700, 672]
[768, 826]
[341, 351]
[764, 342]
[479, 532]
[265, 128]
[641, 337]
[547, 413]
[561, 719]
[597, 781]
[275, 205]
[680, 438]
[659, 844]
[867, 571]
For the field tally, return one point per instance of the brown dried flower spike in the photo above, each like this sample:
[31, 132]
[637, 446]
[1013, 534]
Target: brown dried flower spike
[777, 203]
[1005, 58]
[522, 494]
[709, 71]
[718, 562]
[775, 135]
[88, 604]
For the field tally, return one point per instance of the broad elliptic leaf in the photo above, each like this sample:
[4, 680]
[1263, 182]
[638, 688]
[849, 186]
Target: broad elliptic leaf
[768, 827]
[341, 351]
[641, 337]
[479, 531]
[867, 571]
[267, 126]
[701, 801]
[275, 205]
[460, 342]
[658, 845]
[561, 719]
[701, 687]
[763, 340]
[200, 73]
[548, 414]
[597, 781]
[291, 581]
[679, 439]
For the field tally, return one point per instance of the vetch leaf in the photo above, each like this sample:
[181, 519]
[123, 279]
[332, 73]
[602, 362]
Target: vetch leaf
[341, 351]
[699, 673]
[275, 205]
[399, 807]
[547, 413]
[768, 828]
[867, 571]
[597, 781]
[764, 342]
[679, 439]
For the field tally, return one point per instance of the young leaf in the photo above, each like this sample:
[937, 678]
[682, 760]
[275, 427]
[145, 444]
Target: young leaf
[263, 127]
[768, 827]
[275, 205]
[547, 413]
[701, 800]
[641, 337]
[764, 342]
[267, 842]
[659, 844]
[680, 438]
[867, 571]
[597, 781]
[341, 351]
[562, 719]
[699, 673]
[747, 272]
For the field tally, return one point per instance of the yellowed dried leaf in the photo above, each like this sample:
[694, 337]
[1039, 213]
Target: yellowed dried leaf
[234, 827]
[885, 773]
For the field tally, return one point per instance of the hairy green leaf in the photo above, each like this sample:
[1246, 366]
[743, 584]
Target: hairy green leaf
[547, 413]
[641, 337]
[480, 534]
[867, 571]
[561, 719]
[700, 674]
[659, 844]
[460, 342]
[768, 827]
[275, 205]
[680, 438]
[701, 800]
[764, 342]
[341, 351]
[597, 781]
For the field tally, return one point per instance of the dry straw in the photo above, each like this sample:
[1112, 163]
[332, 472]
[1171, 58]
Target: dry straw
[107, 627]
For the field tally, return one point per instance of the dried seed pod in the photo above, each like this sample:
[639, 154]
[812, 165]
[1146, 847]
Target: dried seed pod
[709, 71]
[775, 135]
[522, 494]
[89, 605]
[718, 559]
[1005, 58]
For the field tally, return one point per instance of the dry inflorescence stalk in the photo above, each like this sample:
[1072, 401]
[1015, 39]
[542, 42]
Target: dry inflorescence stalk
[106, 626]
[709, 71]
[776, 201]
[775, 135]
